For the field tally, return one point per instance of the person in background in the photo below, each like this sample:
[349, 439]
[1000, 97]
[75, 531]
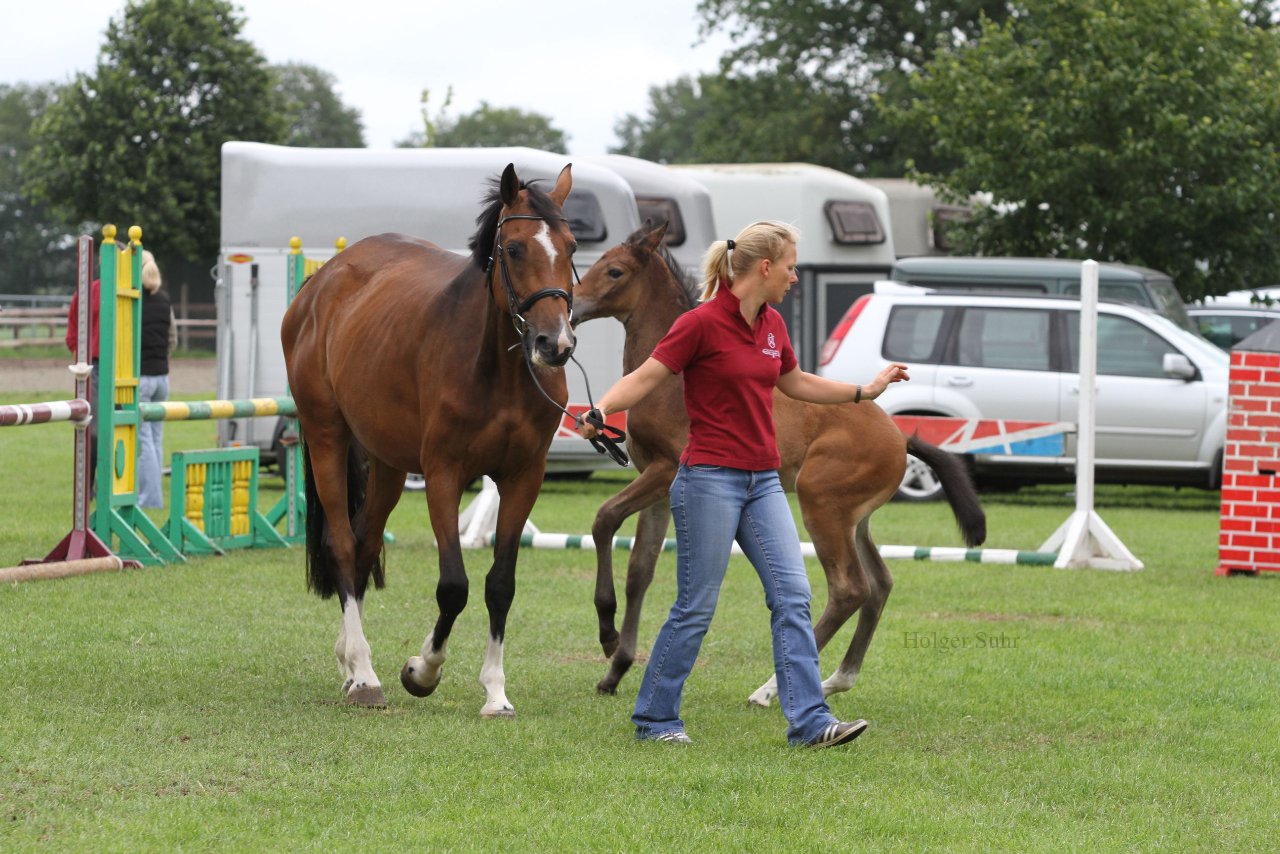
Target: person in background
[733, 350]
[159, 337]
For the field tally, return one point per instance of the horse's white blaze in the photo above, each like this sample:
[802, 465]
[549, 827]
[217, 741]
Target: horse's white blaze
[544, 237]
[494, 681]
[353, 648]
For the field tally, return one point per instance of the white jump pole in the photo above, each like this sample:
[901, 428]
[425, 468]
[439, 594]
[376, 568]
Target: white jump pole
[1084, 540]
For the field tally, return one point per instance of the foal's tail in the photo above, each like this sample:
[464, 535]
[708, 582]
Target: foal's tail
[323, 571]
[957, 486]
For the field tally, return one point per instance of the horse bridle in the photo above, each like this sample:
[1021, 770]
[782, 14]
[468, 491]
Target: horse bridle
[603, 442]
[515, 306]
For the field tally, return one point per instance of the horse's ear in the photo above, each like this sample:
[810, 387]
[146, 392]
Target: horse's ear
[509, 186]
[564, 183]
[653, 238]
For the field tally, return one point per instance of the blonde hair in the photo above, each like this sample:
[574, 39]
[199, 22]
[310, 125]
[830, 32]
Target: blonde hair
[760, 240]
[150, 272]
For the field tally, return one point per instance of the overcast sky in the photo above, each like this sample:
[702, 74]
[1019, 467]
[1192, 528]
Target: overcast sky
[583, 63]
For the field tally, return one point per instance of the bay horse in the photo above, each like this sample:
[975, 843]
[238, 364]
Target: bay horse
[843, 462]
[405, 357]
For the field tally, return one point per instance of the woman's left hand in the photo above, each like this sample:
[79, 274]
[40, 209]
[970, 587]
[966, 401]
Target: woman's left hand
[892, 373]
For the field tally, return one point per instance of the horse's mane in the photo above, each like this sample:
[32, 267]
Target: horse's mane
[690, 289]
[481, 243]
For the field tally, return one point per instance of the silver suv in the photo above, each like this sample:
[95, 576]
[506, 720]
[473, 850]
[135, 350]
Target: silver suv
[1161, 390]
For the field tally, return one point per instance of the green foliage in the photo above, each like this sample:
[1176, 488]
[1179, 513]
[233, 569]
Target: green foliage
[138, 141]
[804, 83]
[1140, 131]
[33, 242]
[495, 126]
[312, 111]
[716, 118]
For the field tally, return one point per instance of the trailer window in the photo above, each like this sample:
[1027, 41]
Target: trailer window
[854, 222]
[666, 210]
[586, 218]
[940, 224]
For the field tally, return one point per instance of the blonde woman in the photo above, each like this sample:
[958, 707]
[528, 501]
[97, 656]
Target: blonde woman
[733, 350]
[159, 336]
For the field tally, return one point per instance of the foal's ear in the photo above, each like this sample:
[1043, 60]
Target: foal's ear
[564, 183]
[652, 239]
[509, 186]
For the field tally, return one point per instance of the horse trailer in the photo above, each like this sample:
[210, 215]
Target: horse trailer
[846, 240]
[271, 194]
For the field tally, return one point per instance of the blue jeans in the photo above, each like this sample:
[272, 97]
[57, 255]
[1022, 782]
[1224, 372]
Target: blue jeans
[712, 506]
[151, 389]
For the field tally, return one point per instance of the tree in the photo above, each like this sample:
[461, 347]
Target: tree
[830, 59]
[768, 118]
[1130, 130]
[488, 125]
[35, 247]
[313, 113]
[138, 141]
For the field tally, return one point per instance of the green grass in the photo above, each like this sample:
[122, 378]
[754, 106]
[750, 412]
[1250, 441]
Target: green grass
[196, 707]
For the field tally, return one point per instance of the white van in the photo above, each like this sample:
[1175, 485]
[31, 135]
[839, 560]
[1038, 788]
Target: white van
[273, 193]
[846, 240]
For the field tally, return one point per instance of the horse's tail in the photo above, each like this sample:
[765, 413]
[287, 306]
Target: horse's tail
[322, 564]
[957, 486]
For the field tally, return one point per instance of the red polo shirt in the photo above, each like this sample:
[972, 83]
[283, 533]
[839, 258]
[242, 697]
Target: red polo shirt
[730, 370]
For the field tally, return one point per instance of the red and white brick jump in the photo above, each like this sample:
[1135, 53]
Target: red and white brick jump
[1249, 535]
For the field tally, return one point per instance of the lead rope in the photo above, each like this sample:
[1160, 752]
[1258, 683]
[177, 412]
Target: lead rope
[603, 442]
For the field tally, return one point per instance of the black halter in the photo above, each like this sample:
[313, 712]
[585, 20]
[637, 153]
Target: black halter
[515, 306]
[609, 440]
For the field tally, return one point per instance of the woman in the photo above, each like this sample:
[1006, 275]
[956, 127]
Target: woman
[733, 350]
[159, 336]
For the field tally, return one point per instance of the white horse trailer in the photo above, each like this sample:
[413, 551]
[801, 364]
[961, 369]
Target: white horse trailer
[273, 193]
[663, 194]
[919, 219]
[846, 240]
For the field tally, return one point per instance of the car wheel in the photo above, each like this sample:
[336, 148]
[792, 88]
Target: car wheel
[919, 483]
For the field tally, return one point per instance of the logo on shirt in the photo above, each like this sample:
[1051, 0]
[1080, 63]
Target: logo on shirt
[772, 349]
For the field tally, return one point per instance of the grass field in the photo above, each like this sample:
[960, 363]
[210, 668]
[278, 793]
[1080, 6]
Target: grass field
[197, 707]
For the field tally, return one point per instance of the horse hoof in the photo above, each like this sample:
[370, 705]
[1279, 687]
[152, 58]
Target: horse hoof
[367, 696]
[758, 702]
[607, 687]
[609, 645]
[504, 712]
[412, 686]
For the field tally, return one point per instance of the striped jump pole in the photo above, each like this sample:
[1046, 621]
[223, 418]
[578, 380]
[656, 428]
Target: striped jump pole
[936, 553]
[18, 414]
[206, 410]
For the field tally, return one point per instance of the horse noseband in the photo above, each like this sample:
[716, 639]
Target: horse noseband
[515, 305]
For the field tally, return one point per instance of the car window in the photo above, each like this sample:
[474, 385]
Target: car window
[912, 333]
[1130, 292]
[1217, 329]
[1003, 338]
[1125, 348]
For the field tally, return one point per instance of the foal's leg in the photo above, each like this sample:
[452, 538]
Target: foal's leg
[651, 532]
[422, 673]
[879, 584]
[650, 487]
[517, 498]
[830, 507]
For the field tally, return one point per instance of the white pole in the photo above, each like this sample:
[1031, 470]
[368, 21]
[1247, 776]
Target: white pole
[1084, 539]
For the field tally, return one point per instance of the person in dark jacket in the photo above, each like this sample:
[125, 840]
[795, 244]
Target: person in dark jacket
[159, 336]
